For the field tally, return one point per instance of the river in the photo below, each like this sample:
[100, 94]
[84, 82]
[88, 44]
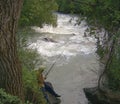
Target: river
[76, 63]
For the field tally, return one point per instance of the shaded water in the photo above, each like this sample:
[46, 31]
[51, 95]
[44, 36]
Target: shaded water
[77, 65]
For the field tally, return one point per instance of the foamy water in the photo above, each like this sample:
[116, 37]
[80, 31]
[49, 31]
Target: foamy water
[69, 37]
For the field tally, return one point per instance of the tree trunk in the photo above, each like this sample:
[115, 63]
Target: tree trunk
[10, 69]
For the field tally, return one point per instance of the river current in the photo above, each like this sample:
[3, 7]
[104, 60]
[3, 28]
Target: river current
[76, 63]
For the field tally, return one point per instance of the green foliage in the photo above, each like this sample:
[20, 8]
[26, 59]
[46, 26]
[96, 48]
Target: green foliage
[102, 13]
[30, 60]
[32, 91]
[114, 70]
[68, 6]
[8, 99]
[105, 13]
[38, 12]
[29, 79]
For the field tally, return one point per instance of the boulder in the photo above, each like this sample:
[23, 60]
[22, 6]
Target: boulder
[96, 96]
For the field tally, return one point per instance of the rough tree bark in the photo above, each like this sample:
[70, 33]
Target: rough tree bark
[10, 69]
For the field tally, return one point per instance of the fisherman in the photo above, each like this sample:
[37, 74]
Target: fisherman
[40, 79]
[45, 86]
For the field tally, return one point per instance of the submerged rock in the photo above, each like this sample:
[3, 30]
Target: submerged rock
[96, 96]
[49, 40]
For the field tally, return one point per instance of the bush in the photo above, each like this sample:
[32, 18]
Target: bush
[32, 92]
[8, 99]
[38, 12]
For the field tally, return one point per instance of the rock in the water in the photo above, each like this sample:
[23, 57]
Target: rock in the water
[49, 40]
[96, 96]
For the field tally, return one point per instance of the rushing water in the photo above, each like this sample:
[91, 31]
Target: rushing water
[76, 62]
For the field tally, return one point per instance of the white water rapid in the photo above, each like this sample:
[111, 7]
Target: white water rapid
[77, 67]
